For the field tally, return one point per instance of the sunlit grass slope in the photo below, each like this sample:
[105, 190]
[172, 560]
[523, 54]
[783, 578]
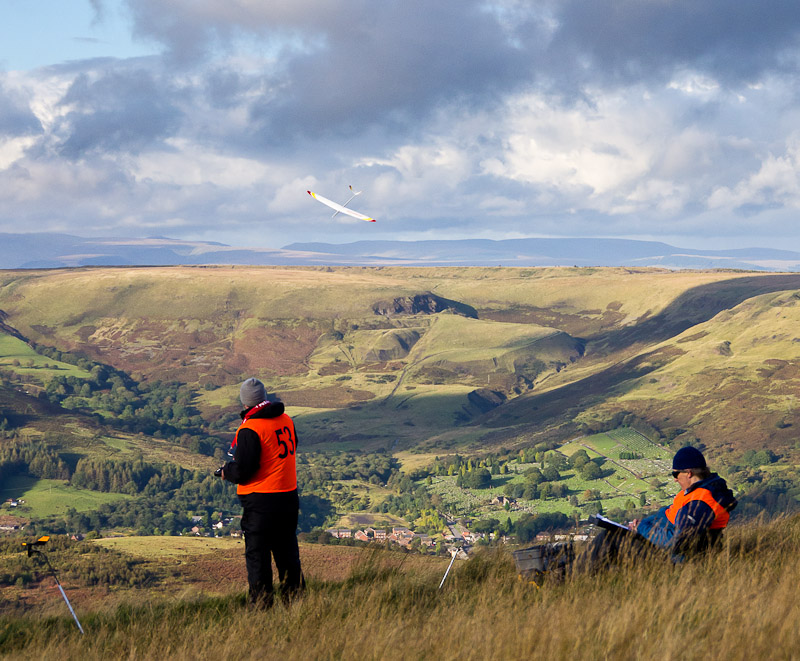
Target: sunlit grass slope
[457, 340]
[19, 357]
[313, 335]
[52, 497]
[61, 301]
[739, 603]
[736, 375]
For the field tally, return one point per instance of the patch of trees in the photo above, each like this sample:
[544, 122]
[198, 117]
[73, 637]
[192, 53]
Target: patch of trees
[409, 499]
[164, 506]
[756, 458]
[458, 465]
[314, 512]
[477, 478]
[34, 458]
[535, 488]
[129, 477]
[5, 423]
[526, 527]
[579, 459]
[776, 495]
[155, 408]
[591, 471]
[148, 407]
[623, 419]
[315, 469]
[78, 562]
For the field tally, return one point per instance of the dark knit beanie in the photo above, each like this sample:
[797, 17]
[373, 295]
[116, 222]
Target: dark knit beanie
[688, 457]
[252, 392]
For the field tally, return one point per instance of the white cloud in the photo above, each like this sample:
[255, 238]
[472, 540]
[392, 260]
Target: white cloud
[585, 152]
[189, 164]
[12, 150]
[775, 184]
[458, 120]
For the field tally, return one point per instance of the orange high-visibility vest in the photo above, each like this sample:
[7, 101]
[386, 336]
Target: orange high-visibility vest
[721, 515]
[277, 471]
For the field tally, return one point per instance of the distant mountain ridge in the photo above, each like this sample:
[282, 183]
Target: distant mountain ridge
[49, 250]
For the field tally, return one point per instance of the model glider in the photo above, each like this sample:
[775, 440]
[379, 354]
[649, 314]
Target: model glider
[342, 208]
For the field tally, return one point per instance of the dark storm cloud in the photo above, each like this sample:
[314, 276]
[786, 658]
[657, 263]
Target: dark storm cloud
[634, 40]
[118, 111]
[341, 67]
[399, 65]
[16, 117]
[349, 65]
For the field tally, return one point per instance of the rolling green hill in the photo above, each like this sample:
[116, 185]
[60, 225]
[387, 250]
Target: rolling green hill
[694, 354]
[143, 364]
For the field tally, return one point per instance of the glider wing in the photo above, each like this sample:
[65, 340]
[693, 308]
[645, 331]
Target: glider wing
[339, 208]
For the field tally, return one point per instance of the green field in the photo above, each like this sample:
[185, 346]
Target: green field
[624, 480]
[45, 498]
[160, 547]
[23, 360]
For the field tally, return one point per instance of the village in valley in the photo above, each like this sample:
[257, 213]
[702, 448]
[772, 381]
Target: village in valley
[458, 540]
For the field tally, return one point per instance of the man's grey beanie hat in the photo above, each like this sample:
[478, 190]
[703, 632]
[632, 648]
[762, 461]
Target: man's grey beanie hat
[252, 392]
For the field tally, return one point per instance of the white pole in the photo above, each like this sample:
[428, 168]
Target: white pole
[69, 605]
[452, 560]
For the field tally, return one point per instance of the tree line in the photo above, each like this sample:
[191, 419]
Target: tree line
[156, 408]
[34, 458]
[80, 562]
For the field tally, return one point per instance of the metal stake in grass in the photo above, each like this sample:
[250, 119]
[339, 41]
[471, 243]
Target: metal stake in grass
[452, 560]
[32, 548]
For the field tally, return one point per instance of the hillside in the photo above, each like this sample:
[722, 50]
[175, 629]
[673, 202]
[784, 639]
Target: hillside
[743, 606]
[406, 356]
[421, 396]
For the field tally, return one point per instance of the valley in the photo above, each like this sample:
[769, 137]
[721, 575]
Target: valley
[417, 371]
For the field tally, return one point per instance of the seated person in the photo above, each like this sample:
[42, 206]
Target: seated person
[693, 523]
[698, 514]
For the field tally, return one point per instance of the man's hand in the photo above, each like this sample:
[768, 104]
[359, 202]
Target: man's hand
[633, 525]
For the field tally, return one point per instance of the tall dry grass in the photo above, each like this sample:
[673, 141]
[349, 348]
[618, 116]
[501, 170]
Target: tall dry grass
[740, 602]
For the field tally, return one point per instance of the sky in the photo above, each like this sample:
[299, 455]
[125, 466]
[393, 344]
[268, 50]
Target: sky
[669, 120]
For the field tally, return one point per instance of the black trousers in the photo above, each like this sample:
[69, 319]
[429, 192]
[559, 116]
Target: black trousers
[269, 524]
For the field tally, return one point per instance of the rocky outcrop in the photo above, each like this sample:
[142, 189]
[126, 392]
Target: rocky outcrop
[424, 303]
[485, 400]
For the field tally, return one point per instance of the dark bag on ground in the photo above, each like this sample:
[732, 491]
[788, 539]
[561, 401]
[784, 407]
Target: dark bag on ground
[536, 562]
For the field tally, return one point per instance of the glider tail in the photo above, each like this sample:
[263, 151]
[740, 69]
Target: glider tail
[349, 199]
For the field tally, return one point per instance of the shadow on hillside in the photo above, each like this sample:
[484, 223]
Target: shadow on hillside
[379, 425]
[569, 400]
[693, 307]
[22, 409]
[696, 306]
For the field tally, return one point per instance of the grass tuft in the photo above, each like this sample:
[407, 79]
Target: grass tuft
[736, 603]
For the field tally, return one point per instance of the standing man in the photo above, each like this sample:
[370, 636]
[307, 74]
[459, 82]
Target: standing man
[264, 469]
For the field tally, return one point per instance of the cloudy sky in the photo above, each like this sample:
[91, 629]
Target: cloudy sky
[674, 120]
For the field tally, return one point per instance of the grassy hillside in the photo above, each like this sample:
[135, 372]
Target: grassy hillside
[685, 350]
[44, 498]
[408, 361]
[739, 603]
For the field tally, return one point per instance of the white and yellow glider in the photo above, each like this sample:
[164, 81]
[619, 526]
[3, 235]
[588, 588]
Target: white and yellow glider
[342, 208]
